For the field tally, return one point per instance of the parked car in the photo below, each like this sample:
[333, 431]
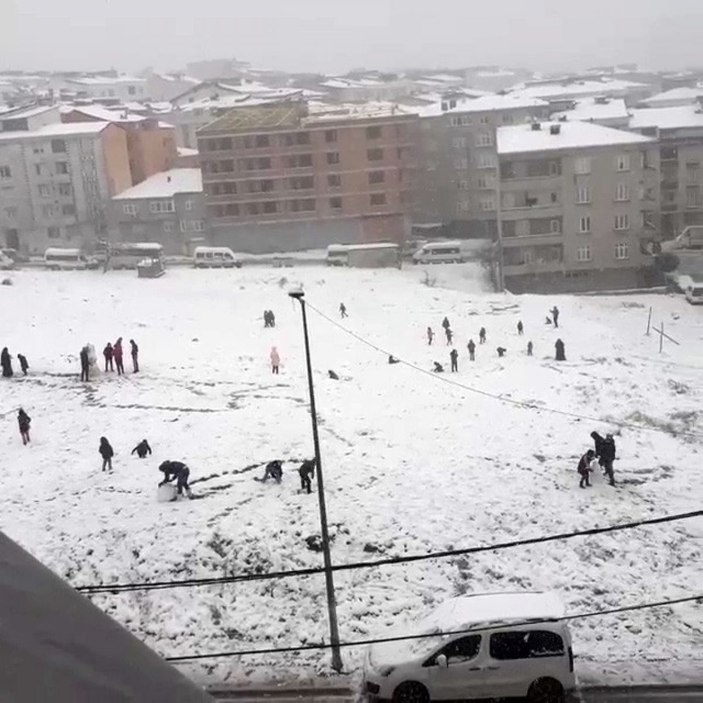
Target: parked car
[215, 257]
[694, 293]
[57, 259]
[440, 253]
[511, 645]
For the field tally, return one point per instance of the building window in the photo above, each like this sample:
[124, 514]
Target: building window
[622, 251]
[336, 203]
[332, 157]
[623, 162]
[487, 203]
[129, 209]
[463, 185]
[583, 253]
[484, 119]
[53, 232]
[463, 206]
[61, 167]
[158, 206]
[484, 139]
[507, 118]
[377, 177]
[622, 192]
[5, 172]
[487, 161]
[188, 205]
[459, 142]
[38, 169]
[301, 183]
[168, 226]
[11, 213]
[582, 165]
[298, 161]
[65, 189]
[584, 224]
[68, 209]
[622, 222]
[693, 196]
[374, 132]
[454, 121]
[262, 140]
[331, 136]
[44, 190]
[554, 226]
[378, 198]
[554, 168]
[47, 210]
[58, 146]
[270, 207]
[334, 180]
[374, 154]
[302, 205]
[461, 164]
[583, 195]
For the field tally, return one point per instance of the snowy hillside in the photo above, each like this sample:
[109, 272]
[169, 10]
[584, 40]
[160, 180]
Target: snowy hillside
[412, 464]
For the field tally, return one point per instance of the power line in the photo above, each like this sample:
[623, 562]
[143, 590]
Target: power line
[518, 403]
[351, 566]
[449, 633]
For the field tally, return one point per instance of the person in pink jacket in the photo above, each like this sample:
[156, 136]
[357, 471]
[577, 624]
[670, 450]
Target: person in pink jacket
[275, 360]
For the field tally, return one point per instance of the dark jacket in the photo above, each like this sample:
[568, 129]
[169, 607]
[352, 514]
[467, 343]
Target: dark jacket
[134, 349]
[598, 442]
[584, 464]
[23, 421]
[307, 468]
[471, 346]
[142, 448]
[84, 358]
[173, 469]
[105, 449]
[107, 352]
[607, 452]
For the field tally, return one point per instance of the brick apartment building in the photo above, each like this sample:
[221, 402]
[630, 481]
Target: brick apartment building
[578, 206]
[151, 144]
[301, 176]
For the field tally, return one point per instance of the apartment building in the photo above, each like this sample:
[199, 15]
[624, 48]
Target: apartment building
[304, 175]
[578, 206]
[457, 174]
[29, 117]
[680, 134]
[151, 143]
[168, 208]
[56, 183]
[118, 88]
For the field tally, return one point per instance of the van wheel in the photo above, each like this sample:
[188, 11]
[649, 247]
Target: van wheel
[411, 692]
[546, 691]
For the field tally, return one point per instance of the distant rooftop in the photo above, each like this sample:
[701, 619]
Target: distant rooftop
[524, 138]
[104, 80]
[574, 88]
[103, 113]
[679, 117]
[680, 95]
[21, 113]
[256, 118]
[165, 185]
[58, 129]
[484, 103]
[595, 109]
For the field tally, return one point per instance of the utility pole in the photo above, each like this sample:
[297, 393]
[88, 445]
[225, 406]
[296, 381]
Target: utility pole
[299, 295]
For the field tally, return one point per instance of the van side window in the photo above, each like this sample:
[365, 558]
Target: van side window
[461, 650]
[526, 645]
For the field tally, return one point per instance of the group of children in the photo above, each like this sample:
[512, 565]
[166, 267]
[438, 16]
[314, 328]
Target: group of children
[306, 471]
[6, 363]
[604, 454]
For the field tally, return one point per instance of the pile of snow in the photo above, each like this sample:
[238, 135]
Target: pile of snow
[412, 464]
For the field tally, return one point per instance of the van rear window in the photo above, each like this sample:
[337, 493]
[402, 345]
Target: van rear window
[526, 644]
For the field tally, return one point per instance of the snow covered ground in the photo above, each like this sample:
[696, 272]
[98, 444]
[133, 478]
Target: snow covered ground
[412, 464]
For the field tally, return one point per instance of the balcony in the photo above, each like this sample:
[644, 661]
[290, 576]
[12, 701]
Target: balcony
[669, 207]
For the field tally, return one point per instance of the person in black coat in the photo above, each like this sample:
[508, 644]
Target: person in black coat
[106, 452]
[559, 348]
[438, 368]
[134, 351]
[482, 335]
[520, 328]
[179, 471]
[85, 364]
[108, 353]
[529, 349]
[607, 457]
[445, 323]
[6, 363]
[454, 358]
[501, 351]
[598, 445]
[307, 473]
[472, 350]
[23, 420]
[555, 315]
[142, 449]
[584, 468]
[24, 364]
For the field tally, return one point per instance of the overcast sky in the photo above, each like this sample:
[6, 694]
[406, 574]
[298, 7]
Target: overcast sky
[337, 35]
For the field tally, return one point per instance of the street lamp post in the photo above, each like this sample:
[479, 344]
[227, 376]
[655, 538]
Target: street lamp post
[329, 580]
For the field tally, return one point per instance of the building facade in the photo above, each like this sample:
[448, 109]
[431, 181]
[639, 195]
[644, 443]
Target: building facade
[297, 176]
[457, 174]
[578, 207]
[168, 208]
[56, 183]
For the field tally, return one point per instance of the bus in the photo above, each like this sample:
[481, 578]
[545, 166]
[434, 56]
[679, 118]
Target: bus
[127, 255]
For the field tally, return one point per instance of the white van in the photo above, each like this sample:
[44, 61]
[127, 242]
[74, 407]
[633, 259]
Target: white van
[694, 293]
[66, 259]
[511, 645]
[215, 257]
[440, 253]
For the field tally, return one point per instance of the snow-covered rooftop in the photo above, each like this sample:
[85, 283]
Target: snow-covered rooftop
[567, 89]
[30, 111]
[679, 117]
[320, 111]
[681, 95]
[595, 109]
[58, 129]
[484, 103]
[524, 138]
[166, 185]
[105, 80]
[105, 114]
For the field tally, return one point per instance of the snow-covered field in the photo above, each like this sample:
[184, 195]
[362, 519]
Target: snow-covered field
[412, 464]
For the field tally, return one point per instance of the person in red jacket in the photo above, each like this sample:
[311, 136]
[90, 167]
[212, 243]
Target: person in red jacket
[117, 354]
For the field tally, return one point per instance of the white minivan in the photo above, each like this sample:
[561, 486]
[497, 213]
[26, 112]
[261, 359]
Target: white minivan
[694, 294]
[215, 257]
[440, 253]
[508, 645]
[56, 259]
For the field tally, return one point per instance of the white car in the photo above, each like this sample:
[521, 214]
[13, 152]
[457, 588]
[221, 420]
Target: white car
[694, 293]
[215, 257]
[511, 645]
